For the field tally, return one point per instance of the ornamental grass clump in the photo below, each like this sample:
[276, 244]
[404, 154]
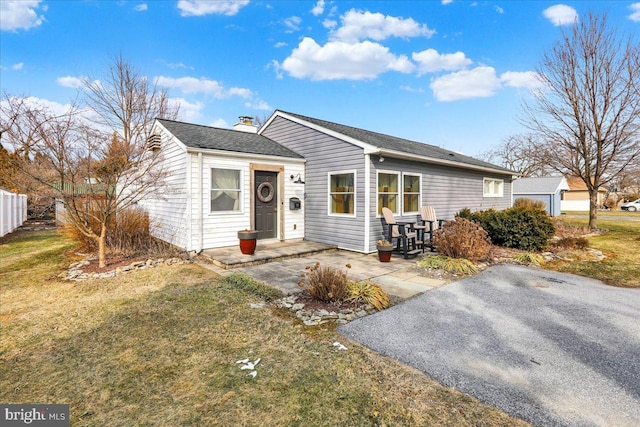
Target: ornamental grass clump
[462, 238]
[450, 265]
[368, 292]
[529, 258]
[326, 284]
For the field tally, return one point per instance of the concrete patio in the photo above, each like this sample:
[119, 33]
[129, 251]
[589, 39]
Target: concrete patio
[281, 264]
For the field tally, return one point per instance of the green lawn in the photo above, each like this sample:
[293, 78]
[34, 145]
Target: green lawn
[159, 347]
[620, 244]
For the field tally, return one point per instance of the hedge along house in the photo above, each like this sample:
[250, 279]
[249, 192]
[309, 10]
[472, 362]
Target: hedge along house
[220, 181]
[351, 174]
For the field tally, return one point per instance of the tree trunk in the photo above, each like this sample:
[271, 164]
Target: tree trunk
[593, 208]
[101, 250]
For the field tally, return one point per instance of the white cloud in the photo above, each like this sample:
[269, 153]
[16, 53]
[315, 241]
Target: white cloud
[193, 85]
[208, 7]
[329, 23]
[292, 23]
[70, 81]
[446, 1]
[527, 79]
[258, 104]
[411, 89]
[430, 61]
[188, 111]
[480, 82]
[280, 44]
[220, 123]
[141, 7]
[179, 65]
[635, 15]
[318, 9]
[17, 66]
[19, 14]
[358, 25]
[339, 60]
[499, 9]
[561, 14]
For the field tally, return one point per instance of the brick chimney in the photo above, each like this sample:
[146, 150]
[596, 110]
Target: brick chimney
[246, 125]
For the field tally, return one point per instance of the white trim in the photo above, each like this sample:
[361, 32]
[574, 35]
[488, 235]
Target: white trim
[188, 212]
[425, 159]
[398, 194]
[371, 149]
[367, 201]
[239, 155]
[240, 195]
[173, 138]
[355, 193]
[200, 197]
[419, 175]
[501, 188]
[319, 128]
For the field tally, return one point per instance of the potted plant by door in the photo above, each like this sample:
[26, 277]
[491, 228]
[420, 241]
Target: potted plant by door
[247, 241]
[384, 250]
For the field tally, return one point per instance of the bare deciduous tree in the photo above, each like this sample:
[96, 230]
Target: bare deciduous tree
[588, 114]
[96, 158]
[519, 153]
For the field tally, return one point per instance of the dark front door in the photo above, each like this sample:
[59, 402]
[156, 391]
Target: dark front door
[266, 203]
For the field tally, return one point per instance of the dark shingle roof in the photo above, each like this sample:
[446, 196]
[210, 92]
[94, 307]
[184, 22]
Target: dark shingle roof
[544, 185]
[387, 142]
[206, 137]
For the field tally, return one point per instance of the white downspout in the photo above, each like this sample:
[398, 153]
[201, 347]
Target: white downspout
[367, 201]
[199, 225]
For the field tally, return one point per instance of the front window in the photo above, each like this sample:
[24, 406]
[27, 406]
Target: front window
[493, 187]
[388, 192]
[411, 194]
[225, 190]
[342, 193]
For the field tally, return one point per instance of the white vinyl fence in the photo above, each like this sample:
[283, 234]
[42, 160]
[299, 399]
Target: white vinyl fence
[13, 211]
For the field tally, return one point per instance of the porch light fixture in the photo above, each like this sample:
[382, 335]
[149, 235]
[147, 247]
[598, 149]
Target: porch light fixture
[298, 179]
[381, 159]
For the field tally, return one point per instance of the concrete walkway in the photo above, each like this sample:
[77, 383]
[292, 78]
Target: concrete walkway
[282, 264]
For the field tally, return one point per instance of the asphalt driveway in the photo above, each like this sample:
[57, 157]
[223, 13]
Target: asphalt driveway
[552, 349]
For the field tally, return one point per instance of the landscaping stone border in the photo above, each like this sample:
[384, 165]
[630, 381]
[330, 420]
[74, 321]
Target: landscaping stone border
[322, 316]
[75, 272]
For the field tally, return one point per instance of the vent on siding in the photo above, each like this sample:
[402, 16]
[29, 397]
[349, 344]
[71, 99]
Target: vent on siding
[153, 142]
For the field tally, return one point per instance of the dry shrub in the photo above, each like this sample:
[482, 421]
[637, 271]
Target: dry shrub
[326, 284]
[566, 230]
[579, 243]
[369, 293]
[128, 234]
[462, 238]
[526, 203]
[529, 258]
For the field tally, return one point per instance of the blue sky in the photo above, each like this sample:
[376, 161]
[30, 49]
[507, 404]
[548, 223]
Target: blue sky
[451, 73]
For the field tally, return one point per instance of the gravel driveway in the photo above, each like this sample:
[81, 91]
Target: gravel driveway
[552, 349]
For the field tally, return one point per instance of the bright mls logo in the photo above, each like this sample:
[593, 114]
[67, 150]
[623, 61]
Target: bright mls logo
[34, 415]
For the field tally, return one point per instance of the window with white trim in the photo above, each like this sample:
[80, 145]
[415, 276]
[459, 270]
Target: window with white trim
[225, 190]
[411, 190]
[493, 187]
[388, 191]
[342, 193]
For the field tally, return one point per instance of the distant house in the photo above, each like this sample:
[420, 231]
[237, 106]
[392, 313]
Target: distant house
[577, 197]
[549, 190]
[300, 177]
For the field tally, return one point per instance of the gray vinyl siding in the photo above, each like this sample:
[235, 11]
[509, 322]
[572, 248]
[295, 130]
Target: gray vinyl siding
[552, 201]
[324, 154]
[448, 189]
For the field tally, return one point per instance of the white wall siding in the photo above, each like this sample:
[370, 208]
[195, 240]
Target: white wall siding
[219, 229]
[324, 154]
[168, 210]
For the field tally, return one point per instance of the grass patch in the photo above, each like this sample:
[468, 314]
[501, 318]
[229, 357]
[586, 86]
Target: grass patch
[621, 245]
[451, 265]
[252, 286]
[159, 346]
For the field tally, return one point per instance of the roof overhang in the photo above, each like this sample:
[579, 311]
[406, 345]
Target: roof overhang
[239, 155]
[425, 159]
[371, 149]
